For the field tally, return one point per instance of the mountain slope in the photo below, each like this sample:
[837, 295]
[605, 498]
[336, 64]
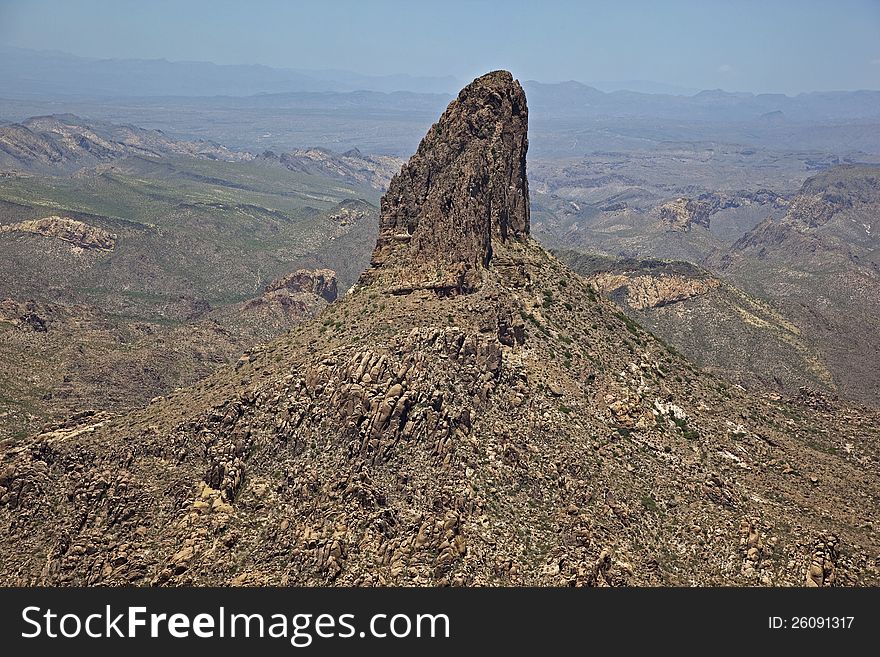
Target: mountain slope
[821, 264]
[738, 337]
[471, 413]
[67, 143]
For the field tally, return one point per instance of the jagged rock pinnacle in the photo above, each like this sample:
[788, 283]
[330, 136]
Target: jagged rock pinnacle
[464, 188]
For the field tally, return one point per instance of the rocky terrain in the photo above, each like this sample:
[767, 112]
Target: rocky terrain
[77, 233]
[321, 283]
[661, 204]
[670, 199]
[60, 359]
[123, 282]
[286, 301]
[646, 291]
[682, 213]
[471, 413]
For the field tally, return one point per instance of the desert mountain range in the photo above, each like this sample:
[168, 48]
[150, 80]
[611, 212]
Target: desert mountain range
[471, 412]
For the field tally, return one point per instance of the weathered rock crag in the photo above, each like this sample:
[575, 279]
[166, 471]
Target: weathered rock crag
[465, 187]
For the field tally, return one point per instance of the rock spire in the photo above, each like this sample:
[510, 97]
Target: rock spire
[464, 189]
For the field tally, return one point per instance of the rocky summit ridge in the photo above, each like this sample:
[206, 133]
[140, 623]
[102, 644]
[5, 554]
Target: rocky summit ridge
[464, 189]
[471, 413]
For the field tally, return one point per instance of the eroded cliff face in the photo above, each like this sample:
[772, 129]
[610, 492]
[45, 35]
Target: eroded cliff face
[464, 188]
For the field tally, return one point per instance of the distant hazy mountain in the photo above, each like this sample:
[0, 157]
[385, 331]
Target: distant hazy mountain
[644, 87]
[387, 83]
[260, 108]
[576, 100]
[33, 73]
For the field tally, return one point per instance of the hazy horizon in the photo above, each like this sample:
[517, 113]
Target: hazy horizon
[781, 47]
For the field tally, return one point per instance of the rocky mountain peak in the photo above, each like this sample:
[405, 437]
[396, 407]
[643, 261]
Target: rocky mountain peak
[464, 189]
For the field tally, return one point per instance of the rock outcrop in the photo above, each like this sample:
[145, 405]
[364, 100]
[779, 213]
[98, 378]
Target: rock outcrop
[27, 316]
[321, 282]
[681, 214]
[78, 233]
[286, 301]
[464, 188]
[643, 292]
[837, 190]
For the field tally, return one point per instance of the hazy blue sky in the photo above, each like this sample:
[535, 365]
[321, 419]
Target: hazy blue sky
[782, 45]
